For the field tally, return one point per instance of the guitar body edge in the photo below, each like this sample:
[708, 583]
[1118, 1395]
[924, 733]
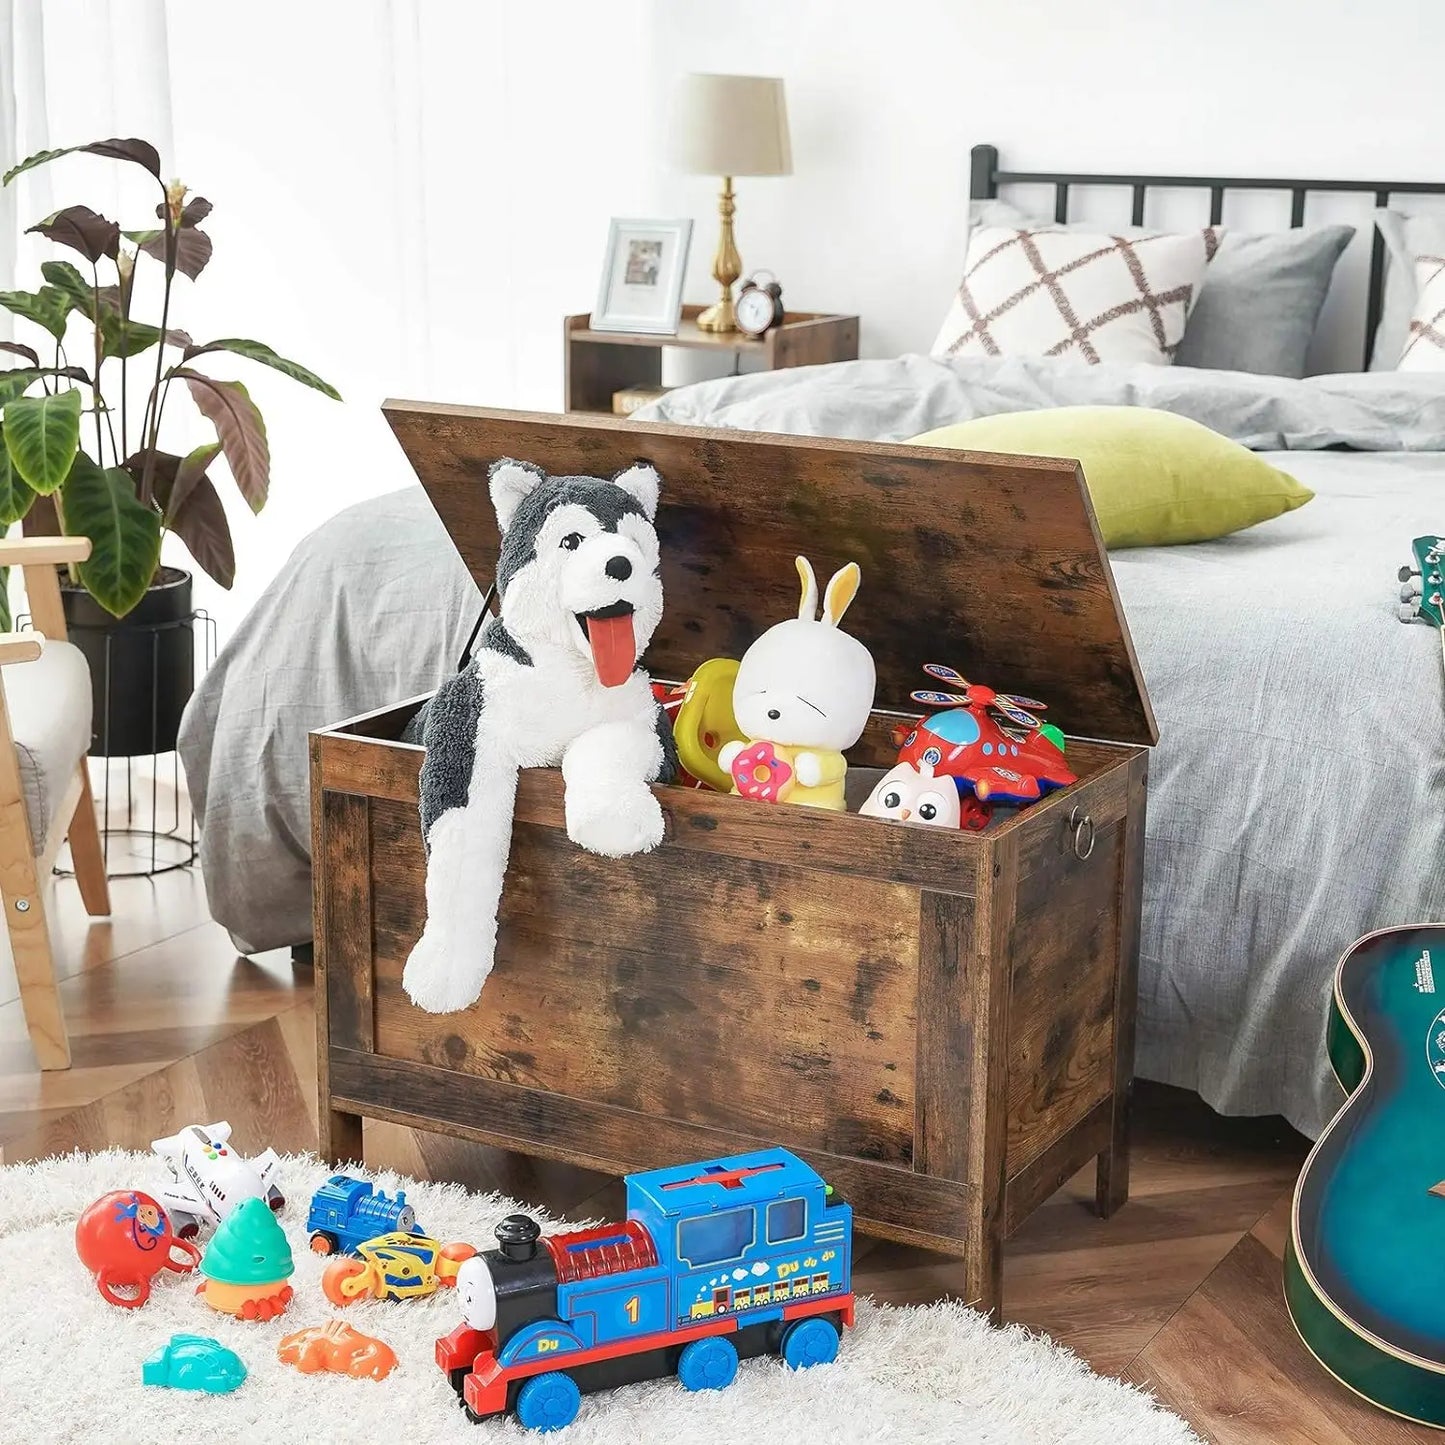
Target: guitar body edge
[1380, 1379]
[1392, 1379]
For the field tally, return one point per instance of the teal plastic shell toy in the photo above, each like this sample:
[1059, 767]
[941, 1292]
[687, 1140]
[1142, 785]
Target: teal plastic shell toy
[195, 1362]
[247, 1263]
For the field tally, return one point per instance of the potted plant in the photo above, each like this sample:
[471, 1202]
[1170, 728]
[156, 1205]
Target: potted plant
[82, 449]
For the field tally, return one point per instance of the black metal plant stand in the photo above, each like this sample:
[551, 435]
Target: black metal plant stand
[141, 844]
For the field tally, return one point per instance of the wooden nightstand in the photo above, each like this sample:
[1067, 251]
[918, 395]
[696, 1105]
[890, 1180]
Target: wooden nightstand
[601, 362]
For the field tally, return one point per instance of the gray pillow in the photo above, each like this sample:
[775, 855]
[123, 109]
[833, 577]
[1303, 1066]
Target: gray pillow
[1260, 300]
[1405, 238]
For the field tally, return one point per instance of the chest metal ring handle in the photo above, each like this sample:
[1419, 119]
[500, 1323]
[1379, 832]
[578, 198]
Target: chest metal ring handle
[1082, 826]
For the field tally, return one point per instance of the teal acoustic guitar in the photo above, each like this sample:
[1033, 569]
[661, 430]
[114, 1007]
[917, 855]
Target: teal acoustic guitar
[1364, 1270]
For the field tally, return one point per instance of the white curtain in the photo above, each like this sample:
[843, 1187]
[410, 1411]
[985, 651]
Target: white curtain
[409, 196]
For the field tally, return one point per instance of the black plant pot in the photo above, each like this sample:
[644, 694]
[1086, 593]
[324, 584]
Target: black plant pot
[142, 665]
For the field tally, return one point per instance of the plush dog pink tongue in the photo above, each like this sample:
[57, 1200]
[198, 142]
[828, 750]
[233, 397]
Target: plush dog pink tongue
[614, 650]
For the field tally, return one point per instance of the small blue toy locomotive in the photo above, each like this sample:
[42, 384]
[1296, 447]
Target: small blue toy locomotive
[346, 1212]
[716, 1262]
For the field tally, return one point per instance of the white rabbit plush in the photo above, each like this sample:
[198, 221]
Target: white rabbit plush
[803, 694]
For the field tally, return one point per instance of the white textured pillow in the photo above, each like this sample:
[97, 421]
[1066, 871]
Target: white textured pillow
[1405, 237]
[1055, 292]
[1425, 338]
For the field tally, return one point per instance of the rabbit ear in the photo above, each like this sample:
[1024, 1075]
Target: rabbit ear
[808, 607]
[841, 591]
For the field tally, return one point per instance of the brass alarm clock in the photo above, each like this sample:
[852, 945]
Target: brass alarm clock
[760, 304]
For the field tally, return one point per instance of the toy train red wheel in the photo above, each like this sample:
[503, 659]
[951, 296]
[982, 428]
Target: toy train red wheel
[323, 1243]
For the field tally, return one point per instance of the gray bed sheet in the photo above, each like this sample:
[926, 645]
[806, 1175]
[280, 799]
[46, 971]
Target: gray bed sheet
[1297, 794]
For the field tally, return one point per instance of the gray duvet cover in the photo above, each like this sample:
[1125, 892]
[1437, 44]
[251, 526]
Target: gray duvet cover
[1297, 794]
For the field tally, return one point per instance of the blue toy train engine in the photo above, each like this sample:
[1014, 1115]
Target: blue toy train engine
[715, 1262]
[346, 1212]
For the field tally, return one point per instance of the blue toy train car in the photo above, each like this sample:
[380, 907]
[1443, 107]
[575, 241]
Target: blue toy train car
[346, 1212]
[716, 1262]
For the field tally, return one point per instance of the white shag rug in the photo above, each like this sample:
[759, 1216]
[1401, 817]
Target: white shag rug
[70, 1363]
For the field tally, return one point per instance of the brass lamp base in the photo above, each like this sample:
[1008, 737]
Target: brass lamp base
[720, 316]
[727, 266]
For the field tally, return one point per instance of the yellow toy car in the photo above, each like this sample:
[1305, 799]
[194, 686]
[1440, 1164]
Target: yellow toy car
[394, 1266]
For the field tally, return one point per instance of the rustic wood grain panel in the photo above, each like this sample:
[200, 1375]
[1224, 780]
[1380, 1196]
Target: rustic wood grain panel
[593, 370]
[1064, 978]
[370, 768]
[346, 919]
[1112, 1187]
[808, 341]
[895, 1203]
[992, 1025]
[718, 994]
[696, 821]
[993, 564]
[1029, 1186]
[948, 1051]
[339, 1134]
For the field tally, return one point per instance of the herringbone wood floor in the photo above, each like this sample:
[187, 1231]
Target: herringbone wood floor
[1180, 1292]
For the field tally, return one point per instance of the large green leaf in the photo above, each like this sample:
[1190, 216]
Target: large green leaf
[229, 408]
[259, 351]
[116, 149]
[16, 495]
[22, 378]
[42, 435]
[80, 295]
[191, 508]
[64, 277]
[15, 383]
[125, 338]
[125, 536]
[82, 230]
[47, 307]
[190, 473]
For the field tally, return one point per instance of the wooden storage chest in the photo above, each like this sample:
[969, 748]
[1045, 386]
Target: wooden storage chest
[941, 1022]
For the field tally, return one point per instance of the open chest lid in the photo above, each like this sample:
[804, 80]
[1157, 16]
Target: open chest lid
[990, 564]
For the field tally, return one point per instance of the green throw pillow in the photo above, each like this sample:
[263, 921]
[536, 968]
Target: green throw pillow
[1155, 478]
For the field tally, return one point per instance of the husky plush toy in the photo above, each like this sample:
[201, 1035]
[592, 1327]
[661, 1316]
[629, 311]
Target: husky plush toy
[554, 680]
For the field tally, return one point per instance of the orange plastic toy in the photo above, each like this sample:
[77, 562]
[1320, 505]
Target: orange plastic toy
[124, 1239]
[337, 1347]
[394, 1266]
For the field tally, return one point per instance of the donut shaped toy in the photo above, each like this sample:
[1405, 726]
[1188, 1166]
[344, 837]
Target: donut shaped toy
[759, 773]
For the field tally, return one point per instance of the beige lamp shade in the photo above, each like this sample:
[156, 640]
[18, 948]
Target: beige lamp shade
[731, 125]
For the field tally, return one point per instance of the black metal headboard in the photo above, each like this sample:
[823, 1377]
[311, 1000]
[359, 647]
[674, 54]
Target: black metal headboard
[985, 178]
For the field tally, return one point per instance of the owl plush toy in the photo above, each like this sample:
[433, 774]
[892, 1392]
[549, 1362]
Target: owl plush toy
[909, 794]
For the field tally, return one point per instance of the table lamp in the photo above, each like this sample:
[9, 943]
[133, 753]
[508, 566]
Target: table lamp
[730, 125]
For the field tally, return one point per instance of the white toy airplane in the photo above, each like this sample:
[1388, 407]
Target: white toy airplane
[208, 1179]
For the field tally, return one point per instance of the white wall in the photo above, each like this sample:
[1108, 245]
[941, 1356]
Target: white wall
[886, 100]
[410, 194]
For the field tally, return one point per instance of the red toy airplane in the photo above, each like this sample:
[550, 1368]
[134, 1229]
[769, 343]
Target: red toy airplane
[1013, 761]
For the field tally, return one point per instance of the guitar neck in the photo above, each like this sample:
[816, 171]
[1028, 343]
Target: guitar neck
[1423, 595]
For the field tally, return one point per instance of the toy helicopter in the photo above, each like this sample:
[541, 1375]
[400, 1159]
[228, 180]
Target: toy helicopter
[990, 744]
[208, 1179]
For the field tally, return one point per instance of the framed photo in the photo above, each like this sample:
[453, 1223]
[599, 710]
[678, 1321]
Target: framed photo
[642, 278]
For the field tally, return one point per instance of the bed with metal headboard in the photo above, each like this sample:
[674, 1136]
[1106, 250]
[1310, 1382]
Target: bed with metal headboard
[986, 176]
[1297, 794]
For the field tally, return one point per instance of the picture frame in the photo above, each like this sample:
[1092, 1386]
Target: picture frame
[642, 277]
